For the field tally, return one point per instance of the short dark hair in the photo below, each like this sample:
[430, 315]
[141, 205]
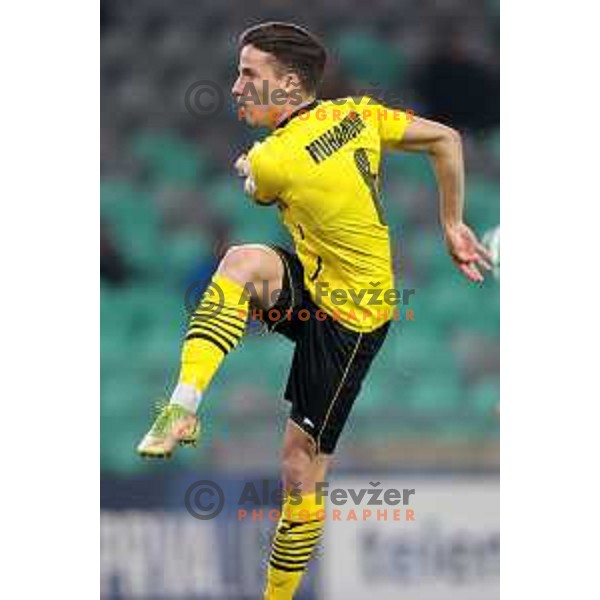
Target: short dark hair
[294, 48]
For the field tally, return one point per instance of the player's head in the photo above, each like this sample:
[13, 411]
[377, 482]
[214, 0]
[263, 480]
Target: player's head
[280, 66]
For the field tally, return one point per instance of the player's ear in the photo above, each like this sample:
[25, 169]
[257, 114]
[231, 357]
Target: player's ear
[291, 81]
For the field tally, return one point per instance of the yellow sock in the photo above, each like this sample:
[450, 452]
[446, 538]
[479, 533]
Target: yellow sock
[298, 532]
[215, 329]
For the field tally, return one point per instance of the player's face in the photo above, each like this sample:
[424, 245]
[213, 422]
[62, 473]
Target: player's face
[258, 91]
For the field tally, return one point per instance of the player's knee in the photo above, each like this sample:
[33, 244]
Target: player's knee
[297, 464]
[241, 264]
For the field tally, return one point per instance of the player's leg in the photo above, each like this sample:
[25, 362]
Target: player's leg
[301, 524]
[329, 366]
[219, 322]
[215, 328]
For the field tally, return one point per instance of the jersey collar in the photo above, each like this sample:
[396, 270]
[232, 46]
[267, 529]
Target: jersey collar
[301, 109]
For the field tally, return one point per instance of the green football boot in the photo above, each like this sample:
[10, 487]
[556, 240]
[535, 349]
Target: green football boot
[174, 426]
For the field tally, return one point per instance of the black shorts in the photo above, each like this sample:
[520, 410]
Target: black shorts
[329, 363]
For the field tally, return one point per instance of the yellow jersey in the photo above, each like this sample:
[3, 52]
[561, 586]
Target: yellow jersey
[321, 167]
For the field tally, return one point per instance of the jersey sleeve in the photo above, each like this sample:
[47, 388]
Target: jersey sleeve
[390, 122]
[267, 171]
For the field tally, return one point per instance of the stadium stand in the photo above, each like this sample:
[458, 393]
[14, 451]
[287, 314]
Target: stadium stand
[167, 185]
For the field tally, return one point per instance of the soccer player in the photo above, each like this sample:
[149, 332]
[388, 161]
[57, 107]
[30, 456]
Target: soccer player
[319, 167]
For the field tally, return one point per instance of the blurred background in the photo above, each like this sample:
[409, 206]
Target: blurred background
[170, 205]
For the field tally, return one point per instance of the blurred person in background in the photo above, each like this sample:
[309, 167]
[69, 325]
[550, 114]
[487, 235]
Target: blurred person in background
[201, 274]
[456, 87]
[113, 267]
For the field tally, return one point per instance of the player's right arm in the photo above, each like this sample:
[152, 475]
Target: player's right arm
[444, 148]
[443, 145]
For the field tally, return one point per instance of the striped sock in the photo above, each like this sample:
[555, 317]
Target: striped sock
[299, 530]
[215, 329]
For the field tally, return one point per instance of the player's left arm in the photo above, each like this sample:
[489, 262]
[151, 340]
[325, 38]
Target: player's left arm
[263, 172]
[444, 147]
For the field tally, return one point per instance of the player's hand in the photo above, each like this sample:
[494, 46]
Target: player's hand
[467, 252]
[242, 166]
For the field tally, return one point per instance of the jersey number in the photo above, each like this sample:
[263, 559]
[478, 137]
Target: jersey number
[364, 168]
[317, 270]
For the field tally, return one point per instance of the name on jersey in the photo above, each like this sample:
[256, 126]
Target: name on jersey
[335, 138]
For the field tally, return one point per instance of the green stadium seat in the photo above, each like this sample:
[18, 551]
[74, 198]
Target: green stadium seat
[170, 159]
[483, 397]
[124, 394]
[123, 200]
[159, 350]
[452, 300]
[251, 223]
[482, 204]
[181, 253]
[414, 168]
[436, 396]
[376, 397]
[417, 352]
[266, 231]
[133, 221]
[485, 317]
[118, 442]
[274, 354]
[426, 250]
[227, 195]
[366, 58]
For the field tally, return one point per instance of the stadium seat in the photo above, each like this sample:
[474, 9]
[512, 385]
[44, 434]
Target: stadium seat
[482, 203]
[484, 397]
[369, 60]
[411, 167]
[436, 395]
[427, 251]
[181, 253]
[168, 158]
[377, 397]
